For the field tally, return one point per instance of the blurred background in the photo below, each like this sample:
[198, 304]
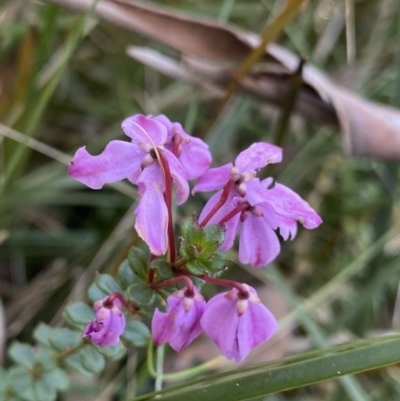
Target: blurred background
[66, 81]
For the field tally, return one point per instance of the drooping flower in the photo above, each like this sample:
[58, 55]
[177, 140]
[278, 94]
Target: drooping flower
[237, 322]
[137, 161]
[109, 323]
[180, 324]
[252, 204]
[266, 211]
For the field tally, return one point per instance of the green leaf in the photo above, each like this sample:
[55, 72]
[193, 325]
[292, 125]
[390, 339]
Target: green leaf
[163, 268]
[21, 383]
[138, 261]
[42, 333]
[78, 314]
[200, 247]
[107, 283]
[126, 274]
[136, 333]
[46, 359]
[58, 378]
[114, 352]
[140, 293]
[75, 363]
[304, 370]
[22, 354]
[44, 390]
[92, 360]
[63, 339]
[95, 294]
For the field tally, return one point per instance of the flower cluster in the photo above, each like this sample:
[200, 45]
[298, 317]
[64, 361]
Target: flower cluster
[160, 158]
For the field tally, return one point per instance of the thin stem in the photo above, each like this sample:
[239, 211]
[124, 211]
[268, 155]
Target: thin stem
[168, 201]
[159, 367]
[224, 197]
[173, 281]
[151, 275]
[116, 295]
[235, 211]
[226, 283]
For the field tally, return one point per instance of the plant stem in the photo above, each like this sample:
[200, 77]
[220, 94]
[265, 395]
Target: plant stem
[173, 281]
[159, 367]
[224, 197]
[233, 212]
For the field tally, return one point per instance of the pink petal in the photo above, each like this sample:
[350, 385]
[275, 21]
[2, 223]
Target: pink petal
[220, 322]
[195, 158]
[255, 192]
[213, 179]
[138, 125]
[258, 244]
[152, 216]
[161, 118]
[258, 155]
[290, 205]
[179, 178]
[118, 161]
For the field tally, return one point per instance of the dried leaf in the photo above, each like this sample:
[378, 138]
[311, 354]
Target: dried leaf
[368, 129]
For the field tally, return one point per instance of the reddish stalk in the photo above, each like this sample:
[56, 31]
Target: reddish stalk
[173, 281]
[224, 197]
[109, 302]
[168, 202]
[237, 210]
[226, 283]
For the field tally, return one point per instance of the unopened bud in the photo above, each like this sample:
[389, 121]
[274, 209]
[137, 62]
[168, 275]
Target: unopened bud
[147, 161]
[241, 189]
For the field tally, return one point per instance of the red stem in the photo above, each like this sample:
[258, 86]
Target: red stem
[226, 283]
[173, 281]
[168, 202]
[237, 210]
[116, 295]
[224, 197]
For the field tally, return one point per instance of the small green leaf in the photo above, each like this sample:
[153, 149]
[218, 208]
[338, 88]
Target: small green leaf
[21, 383]
[125, 274]
[75, 363]
[42, 333]
[78, 314]
[196, 267]
[136, 333]
[22, 354]
[58, 378]
[46, 359]
[114, 352]
[92, 360]
[107, 283]
[163, 268]
[95, 294]
[44, 390]
[140, 293]
[63, 339]
[138, 261]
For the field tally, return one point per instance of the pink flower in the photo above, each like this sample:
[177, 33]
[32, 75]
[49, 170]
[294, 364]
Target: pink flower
[137, 161]
[238, 322]
[251, 204]
[109, 324]
[180, 325]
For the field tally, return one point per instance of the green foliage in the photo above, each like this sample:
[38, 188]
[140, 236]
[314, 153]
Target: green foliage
[140, 293]
[138, 261]
[136, 334]
[199, 246]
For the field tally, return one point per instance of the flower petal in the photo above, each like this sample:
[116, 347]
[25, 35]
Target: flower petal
[220, 322]
[138, 125]
[179, 178]
[213, 179]
[258, 155]
[151, 214]
[118, 161]
[195, 158]
[258, 244]
[290, 205]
